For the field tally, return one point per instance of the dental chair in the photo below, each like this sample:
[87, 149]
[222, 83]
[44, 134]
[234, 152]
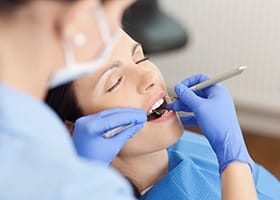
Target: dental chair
[155, 30]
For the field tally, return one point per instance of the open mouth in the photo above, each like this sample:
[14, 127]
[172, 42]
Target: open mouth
[158, 110]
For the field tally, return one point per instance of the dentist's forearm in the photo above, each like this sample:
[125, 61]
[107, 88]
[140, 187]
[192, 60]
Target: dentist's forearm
[238, 183]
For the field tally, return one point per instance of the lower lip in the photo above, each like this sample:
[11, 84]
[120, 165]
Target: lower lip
[165, 117]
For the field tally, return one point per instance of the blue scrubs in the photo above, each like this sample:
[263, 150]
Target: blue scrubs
[193, 174]
[38, 160]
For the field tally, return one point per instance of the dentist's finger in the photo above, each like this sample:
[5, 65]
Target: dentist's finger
[195, 79]
[178, 105]
[127, 133]
[188, 97]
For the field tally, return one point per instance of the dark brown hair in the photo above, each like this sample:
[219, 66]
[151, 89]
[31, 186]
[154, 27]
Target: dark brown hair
[10, 5]
[7, 6]
[63, 100]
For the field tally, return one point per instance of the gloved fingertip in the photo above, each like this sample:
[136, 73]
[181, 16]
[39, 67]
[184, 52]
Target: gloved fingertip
[177, 105]
[179, 88]
[169, 106]
[141, 116]
[139, 111]
[141, 119]
[184, 93]
[130, 132]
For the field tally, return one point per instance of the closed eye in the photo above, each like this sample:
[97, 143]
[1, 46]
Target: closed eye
[115, 84]
[142, 60]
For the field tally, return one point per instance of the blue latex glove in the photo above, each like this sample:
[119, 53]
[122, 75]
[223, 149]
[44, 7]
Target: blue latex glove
[215, 115]
[88, 132]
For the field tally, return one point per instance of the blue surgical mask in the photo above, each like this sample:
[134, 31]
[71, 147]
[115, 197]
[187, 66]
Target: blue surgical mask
[73, 69]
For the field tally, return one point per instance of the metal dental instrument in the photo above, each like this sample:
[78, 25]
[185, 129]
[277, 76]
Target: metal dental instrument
[214, 80]
[208, 83]
[197, 87]
[218, 78]
[117, 130]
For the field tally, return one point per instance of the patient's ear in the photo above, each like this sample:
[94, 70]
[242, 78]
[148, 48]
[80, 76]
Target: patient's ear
[70, 126]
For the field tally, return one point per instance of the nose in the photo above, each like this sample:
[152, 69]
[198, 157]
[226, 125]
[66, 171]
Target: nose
[148, 79]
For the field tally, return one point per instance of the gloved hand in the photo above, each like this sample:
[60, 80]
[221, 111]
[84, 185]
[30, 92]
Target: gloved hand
[215, 115]
[88, 132]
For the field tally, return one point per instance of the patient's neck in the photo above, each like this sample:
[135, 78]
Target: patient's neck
[145, 170]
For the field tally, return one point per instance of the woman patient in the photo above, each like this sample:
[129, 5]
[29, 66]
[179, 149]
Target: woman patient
[156, 167]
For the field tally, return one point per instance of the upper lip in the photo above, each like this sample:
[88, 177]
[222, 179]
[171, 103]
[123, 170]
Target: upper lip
[159, 96]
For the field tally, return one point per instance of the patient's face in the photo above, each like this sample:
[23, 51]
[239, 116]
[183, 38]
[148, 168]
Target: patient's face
[128, 80]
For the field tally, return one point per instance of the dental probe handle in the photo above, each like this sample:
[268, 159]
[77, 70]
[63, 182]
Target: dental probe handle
[218, 78]
[117, 130]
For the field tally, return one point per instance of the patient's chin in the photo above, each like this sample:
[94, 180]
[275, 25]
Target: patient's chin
[141, 145]
[153, 137]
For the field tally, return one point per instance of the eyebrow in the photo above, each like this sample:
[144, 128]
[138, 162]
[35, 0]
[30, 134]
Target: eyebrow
[118, 63]
[113, 65]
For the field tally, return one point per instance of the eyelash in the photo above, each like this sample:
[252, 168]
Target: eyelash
[115, 85]
[142, 60]
[120, 79]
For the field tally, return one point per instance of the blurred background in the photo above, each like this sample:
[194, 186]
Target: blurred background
[185, 37]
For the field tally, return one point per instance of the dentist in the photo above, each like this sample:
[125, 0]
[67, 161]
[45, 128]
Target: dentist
[44, 44]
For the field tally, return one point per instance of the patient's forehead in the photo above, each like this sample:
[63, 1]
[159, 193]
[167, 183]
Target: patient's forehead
[121, 52]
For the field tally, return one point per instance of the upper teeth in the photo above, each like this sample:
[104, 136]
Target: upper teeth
[156, 105]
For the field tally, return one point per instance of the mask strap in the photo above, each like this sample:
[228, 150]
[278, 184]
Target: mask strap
[105, 54]
[69, 55]
[102, 23]
[104, 32]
